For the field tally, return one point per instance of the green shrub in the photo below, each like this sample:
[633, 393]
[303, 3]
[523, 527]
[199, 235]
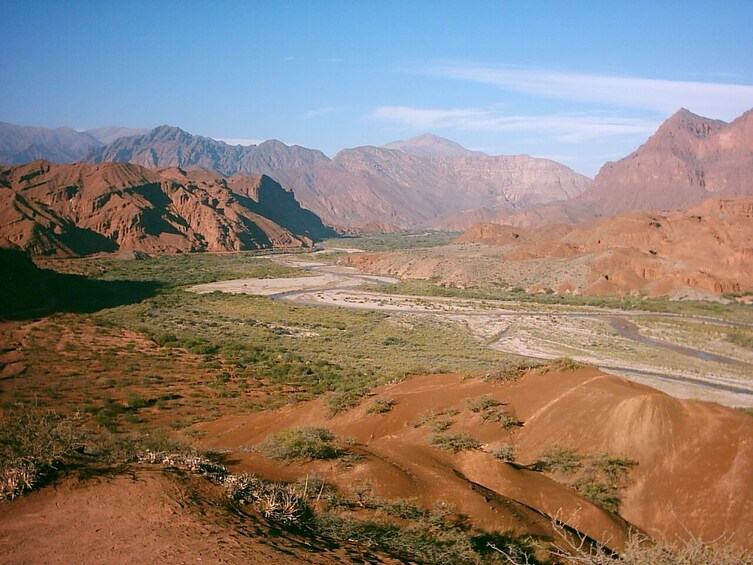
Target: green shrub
[136, 401]
[598, 477]
[441, 425]
[381, 406]
[600, 493]
[504, 452]
[741, 339]
[481, 403]
[511, 371]
[343, 400]
[562, 364]
[107, 414]
[433, 417]
[501, 417]
[455, 442]
[33, 444]
[302, 443]
[559, 460]
[614, 468]
[166, 340]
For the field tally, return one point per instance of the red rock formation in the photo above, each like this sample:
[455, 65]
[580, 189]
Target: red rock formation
[707, 248]
[71, 210]
[688, 160]
[366, 185]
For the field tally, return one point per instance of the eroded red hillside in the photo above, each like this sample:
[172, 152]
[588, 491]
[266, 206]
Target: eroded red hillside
[78, 209]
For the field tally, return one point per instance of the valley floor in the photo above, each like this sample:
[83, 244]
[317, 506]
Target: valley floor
[434, 426]
[686, 356]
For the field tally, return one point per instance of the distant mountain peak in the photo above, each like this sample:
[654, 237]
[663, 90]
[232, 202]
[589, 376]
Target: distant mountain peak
[685, 113]
[690, 158]
[430, 145]
[274, 143]
[108, 134]
[687, 120]
[166, 131]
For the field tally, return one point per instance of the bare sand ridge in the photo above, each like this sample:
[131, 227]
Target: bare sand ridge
[334, 277]
[691, 455]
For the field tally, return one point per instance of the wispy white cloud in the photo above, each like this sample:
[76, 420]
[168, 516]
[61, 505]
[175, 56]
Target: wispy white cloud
[428, 118]
[315, 113]
[712, 99]
[567, 128]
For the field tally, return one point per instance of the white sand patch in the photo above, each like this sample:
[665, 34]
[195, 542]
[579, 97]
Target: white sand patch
[267, 287]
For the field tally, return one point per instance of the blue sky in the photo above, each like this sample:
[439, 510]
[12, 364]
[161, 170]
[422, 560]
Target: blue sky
[580, 82]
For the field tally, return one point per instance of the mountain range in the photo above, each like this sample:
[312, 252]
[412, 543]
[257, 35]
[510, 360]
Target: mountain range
[78, 209]
[405, 184]
[688, 160]
[423, 180]
[22, 144]
[428, 181]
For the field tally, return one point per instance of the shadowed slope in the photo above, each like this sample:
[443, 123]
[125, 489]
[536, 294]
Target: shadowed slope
[30, 292]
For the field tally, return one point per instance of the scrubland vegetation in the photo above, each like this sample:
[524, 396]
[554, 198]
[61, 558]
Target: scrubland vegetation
[394, 241]
[35, 445]
[598, 477]
[414, 287]
[179, 270]
[176, 358]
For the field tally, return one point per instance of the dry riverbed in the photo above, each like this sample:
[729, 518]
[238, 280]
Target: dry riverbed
[589, 335]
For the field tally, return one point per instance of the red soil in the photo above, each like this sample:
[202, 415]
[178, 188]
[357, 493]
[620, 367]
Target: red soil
[694, 472]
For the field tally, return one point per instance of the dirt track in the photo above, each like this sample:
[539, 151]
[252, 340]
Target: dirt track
[606, 338]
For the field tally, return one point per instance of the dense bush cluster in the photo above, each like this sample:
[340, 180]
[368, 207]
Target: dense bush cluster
[598, 477]
[455, 442]
[33, 445]
[302, 443]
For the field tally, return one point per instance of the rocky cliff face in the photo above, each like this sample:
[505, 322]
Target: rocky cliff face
[78, 209]
[272, 201]
[689, 159]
